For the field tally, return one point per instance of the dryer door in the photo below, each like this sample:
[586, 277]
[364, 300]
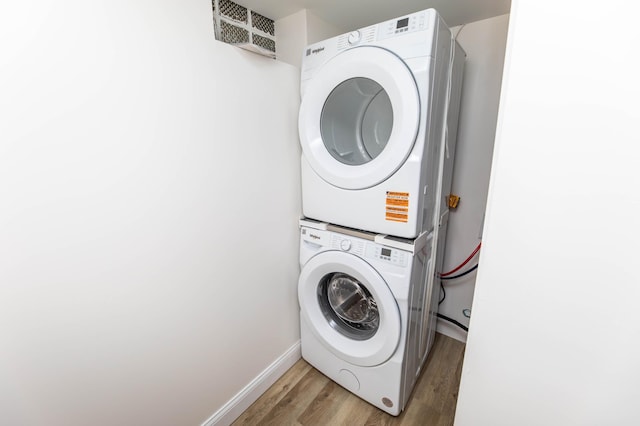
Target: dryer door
[349, 308]
[359, 117]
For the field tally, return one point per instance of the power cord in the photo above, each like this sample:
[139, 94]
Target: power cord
[457, 268]
[448, 276]
[460, 275]
[451, 320]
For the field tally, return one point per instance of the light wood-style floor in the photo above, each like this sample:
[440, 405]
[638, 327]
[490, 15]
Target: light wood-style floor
[303, 396]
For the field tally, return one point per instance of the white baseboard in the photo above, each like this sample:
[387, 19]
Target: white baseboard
[448, 329]
[247, 396]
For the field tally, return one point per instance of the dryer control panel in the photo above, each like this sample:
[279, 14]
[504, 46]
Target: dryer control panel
[415, 22]
[418, 21]
[408, 36]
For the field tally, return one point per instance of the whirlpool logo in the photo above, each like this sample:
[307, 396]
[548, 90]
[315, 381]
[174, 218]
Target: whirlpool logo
[314, 51]
[314, 236]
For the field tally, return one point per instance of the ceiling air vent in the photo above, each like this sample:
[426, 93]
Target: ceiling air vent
[241, 27]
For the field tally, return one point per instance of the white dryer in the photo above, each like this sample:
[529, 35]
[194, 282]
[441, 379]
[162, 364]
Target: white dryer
[366, 309]
[372, 125]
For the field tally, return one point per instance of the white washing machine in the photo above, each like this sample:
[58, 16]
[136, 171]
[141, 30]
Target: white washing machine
[376, 150]
[366, 309]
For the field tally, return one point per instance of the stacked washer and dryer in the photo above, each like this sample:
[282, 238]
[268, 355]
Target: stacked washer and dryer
[378, 123]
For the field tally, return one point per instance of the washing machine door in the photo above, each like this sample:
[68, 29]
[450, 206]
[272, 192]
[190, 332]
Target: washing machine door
[349, 308]
[359, 117]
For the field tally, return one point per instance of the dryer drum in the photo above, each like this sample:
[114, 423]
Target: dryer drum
[356, 121]
[348, 306]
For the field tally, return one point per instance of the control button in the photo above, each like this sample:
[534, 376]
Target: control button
[354, 37]
[345, 245]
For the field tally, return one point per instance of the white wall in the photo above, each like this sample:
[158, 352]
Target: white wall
[319, 29]
[149, 197]
[298, 30]
[484, 42]
[291, 37]
[554, 331]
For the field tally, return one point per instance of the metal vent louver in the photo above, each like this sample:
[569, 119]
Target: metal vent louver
[232, 34]
[263, 24]
[244, 28]
[234, 11]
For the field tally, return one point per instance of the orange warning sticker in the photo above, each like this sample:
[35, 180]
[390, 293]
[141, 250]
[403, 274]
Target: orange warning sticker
[397, 206]
[397, 199]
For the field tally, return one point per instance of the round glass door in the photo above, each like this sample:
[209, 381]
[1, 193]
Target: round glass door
[348, 306]
[356, 121]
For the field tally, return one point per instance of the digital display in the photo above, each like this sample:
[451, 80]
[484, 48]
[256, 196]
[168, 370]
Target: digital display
[385, 252]
[402, 23]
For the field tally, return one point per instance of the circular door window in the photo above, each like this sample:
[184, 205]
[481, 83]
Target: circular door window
[349, 308]
[356, 121]
[359, 117]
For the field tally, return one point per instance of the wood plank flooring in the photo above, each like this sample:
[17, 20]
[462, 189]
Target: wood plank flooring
[304, 396]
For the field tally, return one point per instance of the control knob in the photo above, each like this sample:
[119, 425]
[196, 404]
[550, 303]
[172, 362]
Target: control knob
[354, 37]
[345, 245]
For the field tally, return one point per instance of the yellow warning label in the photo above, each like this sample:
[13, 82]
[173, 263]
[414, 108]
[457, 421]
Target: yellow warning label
[397, 206]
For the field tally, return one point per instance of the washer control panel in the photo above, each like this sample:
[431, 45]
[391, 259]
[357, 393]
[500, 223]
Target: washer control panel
[354, 245]
[387, 254]
[346, 243]
[368, 250]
